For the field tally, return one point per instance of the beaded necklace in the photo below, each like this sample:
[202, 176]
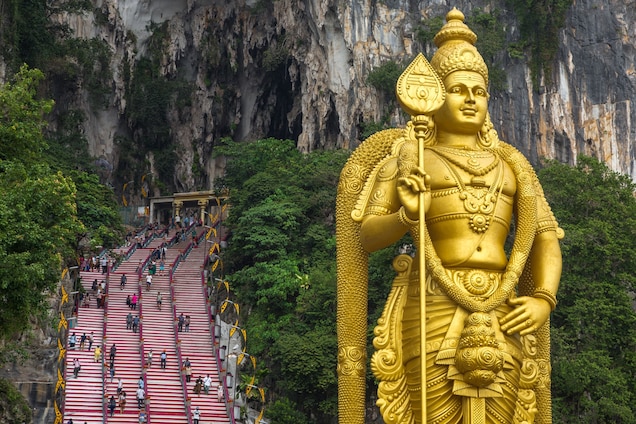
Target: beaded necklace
[472, 165]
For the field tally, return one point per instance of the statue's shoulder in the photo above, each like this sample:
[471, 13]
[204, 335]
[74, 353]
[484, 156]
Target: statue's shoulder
[373, 161]
[517, 160]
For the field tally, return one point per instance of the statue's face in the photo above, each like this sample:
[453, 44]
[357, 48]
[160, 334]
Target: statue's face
[466, 105]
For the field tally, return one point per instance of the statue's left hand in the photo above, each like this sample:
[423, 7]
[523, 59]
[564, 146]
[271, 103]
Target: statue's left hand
[529, 315]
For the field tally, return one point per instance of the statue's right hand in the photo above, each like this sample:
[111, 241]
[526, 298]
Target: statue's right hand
[409, 189]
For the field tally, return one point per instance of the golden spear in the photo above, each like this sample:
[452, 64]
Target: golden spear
[421, 93]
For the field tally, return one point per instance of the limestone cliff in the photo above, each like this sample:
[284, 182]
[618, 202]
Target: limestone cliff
[298, 69]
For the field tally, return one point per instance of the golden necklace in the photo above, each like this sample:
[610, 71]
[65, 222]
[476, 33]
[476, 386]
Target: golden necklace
[472, 165]
[480, 202]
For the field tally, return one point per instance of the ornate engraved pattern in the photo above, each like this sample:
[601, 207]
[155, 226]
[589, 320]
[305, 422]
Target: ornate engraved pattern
[351, 178]
[352, 283]
[477, 282]
[387, 361]
[449, 57]
[478, 356]
[351, 360]
[363, 177]
[419, 89]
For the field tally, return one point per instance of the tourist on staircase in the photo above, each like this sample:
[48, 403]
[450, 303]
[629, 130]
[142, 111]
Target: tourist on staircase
[76, 367]
[207, 383]
[164, 358]
[197, 386]
[196, 415]
[97, 354]
[82, 341]
[159, 300]
[135, 324]
[122, 401]
[140, 397]
[187, 367]
[180, 323]
[112, 405]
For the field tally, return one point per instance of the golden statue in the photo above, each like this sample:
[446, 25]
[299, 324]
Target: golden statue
[480, 314]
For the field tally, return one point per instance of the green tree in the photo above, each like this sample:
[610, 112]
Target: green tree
[594, 325]
[280, 262]
[38, 229]
[97, 209]
[385, 76]
[38, 211]
[21, 117]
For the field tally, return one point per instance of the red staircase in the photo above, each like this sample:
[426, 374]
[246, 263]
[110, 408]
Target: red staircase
[167, 403]
[169, 399]
[196, 344]
[84, 394]
[128, 362]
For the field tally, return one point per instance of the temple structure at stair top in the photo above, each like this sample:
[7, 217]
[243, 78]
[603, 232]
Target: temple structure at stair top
[194, 204]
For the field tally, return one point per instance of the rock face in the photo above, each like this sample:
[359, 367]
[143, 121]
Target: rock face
[298, 69]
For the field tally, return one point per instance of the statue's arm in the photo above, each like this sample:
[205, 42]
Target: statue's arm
[546, 262]
[531, 312]
[380, 231]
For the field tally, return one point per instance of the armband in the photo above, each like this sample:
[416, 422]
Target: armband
[405, 220]
[546, 295]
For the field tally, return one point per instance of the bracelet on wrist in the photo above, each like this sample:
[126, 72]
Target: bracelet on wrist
[404, 219]
[546, 295]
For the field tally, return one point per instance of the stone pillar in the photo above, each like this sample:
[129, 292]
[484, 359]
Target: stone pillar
[178, 204]
[152, 211]
[203, 204]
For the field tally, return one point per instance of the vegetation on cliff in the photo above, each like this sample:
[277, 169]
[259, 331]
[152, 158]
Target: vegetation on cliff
[47, 204]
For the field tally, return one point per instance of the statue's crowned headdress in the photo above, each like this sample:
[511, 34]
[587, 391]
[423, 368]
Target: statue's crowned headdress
[456, 48]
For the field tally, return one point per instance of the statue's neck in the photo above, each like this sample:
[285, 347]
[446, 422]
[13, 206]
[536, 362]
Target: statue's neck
[466, 141]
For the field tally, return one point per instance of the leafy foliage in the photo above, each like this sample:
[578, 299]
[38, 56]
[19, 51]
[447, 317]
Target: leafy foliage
[97, 209]
[68, 146]
[280, 262]
[91, 63]
[594, 325]
[38, 218]
[150, 94]
[540, 22]
[284, 411]
[491, 43]
[427, 29]
[14, 409]
[276, 55]
[385, 76]
[21, 117]
[38, 228]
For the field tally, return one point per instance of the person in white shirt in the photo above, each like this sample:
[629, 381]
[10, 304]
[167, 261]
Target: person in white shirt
[207, 383]
[140, 397]
[196, 415]
[76, 367]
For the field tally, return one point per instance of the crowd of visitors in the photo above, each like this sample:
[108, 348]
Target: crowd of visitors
[117, 401]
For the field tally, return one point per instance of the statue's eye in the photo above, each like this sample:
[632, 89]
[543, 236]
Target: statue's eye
[455, 90]
[480, 92]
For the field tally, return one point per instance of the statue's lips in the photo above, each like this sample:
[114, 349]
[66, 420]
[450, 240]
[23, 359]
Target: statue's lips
[469, 112]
